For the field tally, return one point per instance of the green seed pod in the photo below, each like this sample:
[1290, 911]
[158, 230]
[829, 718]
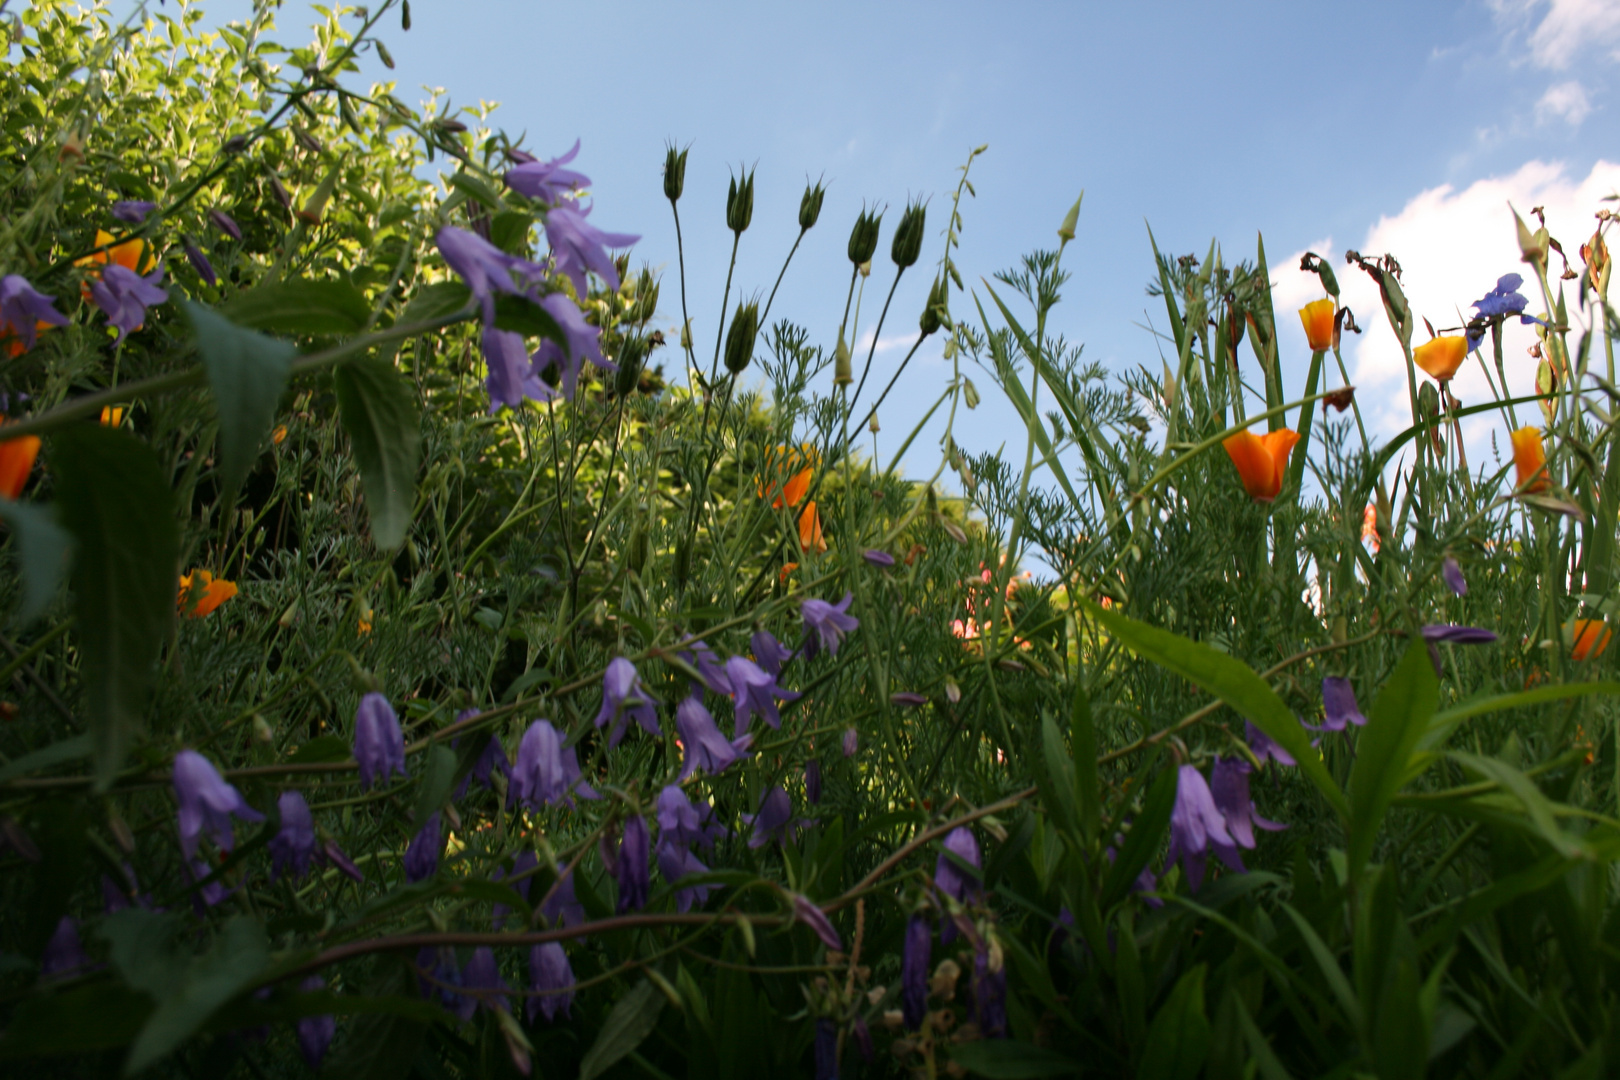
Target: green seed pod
[908, 236]
[635, 555]
[843, 371]
[382, 54]
[740, 338]
[674, 172]
[1070, 220]
[810, 205]
[740, 204]
[405, 15]
[632, 356]
[936, 313]
[863, 239]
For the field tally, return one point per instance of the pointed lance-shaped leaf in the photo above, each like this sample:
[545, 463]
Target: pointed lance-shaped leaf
[247, 372]
[380, 414]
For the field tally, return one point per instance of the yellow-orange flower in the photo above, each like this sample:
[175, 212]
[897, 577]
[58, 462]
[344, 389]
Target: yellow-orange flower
[787, 568]
[1318, 319]
[14, 345]
[16, 462]
[1441, 357]
[1591, 638]
[793, 491]
[1530, 460]
[200, 593]
[112, 415]
[810, 529]
[1261, 460]
[128, 254]
[1369, 529]
[781, 461]
[279, 435]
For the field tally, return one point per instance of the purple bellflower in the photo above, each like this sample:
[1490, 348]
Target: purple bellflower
[675, 862]
[774, 819]
[491, 760]
[132, 211]
[826, 624]
[1229, 784]
[812, 781]
[422, 856]
[1453, 575]
[878, 558]
[705, 747]
[511, 377]
[951, 879]
[64, 953]
[207, 803]
[486, 269]
[577, 246]
[1457, 635]
[863, 1039]
[22, 308]
[1264, 746]
[333, 856]
[482, 981]
[315, 1032]
[769, 653]
[756, 692]
[547, 181]
[806, 911]
[825, 1049]
[551, 975]
[199, 262]
[683, 822]
[584, 343]
[852, 742]
[123, 295]
[379, 745]
[438, 974]
[914, 972]
[710, 671]
[293, 846]
[547, 772]
[225, 223]
[989, 994]
[632, 865]
[563, 909]
[1338, 706]
[1196, 826]
[908, 699]
[625, 698]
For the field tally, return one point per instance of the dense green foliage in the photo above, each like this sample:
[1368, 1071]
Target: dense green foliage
[1003, 765]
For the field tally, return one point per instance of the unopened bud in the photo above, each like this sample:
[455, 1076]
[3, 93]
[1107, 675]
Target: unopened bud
[970, 394]
[263, 733]
[843, 369]
[1533, 246]
[935, 312]
[1070, 220]
[405, 15]
[382, 54]
[740, 338]
[279, 190]
[674, 172]
[908, 235]
[686, 336]
[810, 205]
[631, 355]
[235, 144]
[315, 207]
[863, 238]
[872, 425]
[740, 204]
[72, 150]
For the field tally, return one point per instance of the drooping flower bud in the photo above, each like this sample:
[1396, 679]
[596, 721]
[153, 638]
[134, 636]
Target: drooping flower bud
[315, 207]
[908, 235]
[810, 205]
[843, 370]
[740, 338]
[674, 172]
[936, 312]
[740, 204]
[863, 239]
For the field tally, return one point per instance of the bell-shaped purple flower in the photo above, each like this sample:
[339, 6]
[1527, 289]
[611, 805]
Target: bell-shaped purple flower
[705, 747]
[812, 781]
[379, 744]
[207, 804]
[293, 846]
[1338, 705]
[562, 908]
[132, 211]
[825, 1049]
[1229, 784]
[422, 856]
[22, 308]
[225, 223]
[64, 954]
[989, 994]
[332, 855]
[522, 878]
[625, 698]
[826, 624]
[547, 181]
[511, 376]
[806, 911]
[878, 558]
[577, 246]
[709, 668]
[951, 879]
[755, 692]
[482, 982]
[679, 821]
[908, 699]
[1453, 575]
[914, 971]
[632, 865]
[774, 820]
[553, 977]
[769, 653]
[1196, 826]
[199, 262]
[123, 296]
[1264, 746]
[491, 760]
[675, 861]
[315, 1032]
[547, 772]
[486, 269]
[852, 742]
[438, 975]
[1458, 635]
[584, 342]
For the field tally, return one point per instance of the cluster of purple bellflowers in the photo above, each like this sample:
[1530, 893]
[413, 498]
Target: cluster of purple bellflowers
[956, 885]
[578, 249]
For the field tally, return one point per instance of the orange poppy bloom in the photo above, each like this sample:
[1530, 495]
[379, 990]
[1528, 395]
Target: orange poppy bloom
[1369, 529]
[793, 491]
[1530, 460]
[1591, 638]
[810, 537]
[1441, 357]
[200, 593]
[1261, 460]
[1318, 319]
[787, 568]
[112, 415]
[13, 344]
[16, 462]
[279, 435]
[128, 255]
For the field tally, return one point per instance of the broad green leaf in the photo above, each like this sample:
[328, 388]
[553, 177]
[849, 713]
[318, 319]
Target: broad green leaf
[74, 749]
[1178, 1039]
[1395, 723]
[509, 231]
[321, 750]
[1269, 1066]
[476, 189]
[301, 307]
[437, 779]
[436, 301]
[238, 955]
[100, 1016]
[380, 415]
[1003, 1059]
[1059, 772]
[493, 892]
[144, 947]
[379, 1046]
[1442, 724]
[525, 317]
[43, 550]
[631, 1021]
[1231, 680]
[1328, 965]
[247, 372]
[115, 501]
[1537, 807]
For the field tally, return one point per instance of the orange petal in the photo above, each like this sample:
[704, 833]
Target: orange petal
[810, 529]
[1441, 357]
[1318, 319]
[16, 462]
[1261, 461]
[796, 487]
[1529, 458]
[1591, 638]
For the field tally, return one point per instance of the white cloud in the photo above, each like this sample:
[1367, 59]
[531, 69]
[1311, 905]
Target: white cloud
[1567, 28]
[1452, 246]
[1566, 101]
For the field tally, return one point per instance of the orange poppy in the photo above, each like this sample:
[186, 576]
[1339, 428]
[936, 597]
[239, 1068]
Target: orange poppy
[787, 568]
[810, 537]
[1261, 460]
[200, 593]
[14, 345]
[112, 415]
[1441, 357]
[279, 435]
[1369, 529]
[1591, 638]
[1530, 460]
[1318, 319]
[793, 491]
[16, 462]
[128, 255]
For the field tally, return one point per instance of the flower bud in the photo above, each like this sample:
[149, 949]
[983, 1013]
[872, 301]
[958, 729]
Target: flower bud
[1070, 220]
[405, 15]
[936, 313]
[740, 205]
[740, 338]
[383, 55]
[279, 190]
[872, 425]
[843, 370]
[1533, 246]
[863, 238]
[908, 235]
[686, 336]
[315, 207]
[631, 356]
[674, 172]
[810, 205]
[865, 268]
[235, 144]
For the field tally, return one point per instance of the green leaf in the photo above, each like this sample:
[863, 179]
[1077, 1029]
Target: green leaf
[1269, 1066]
[437, 779]
[103, 1015]
[301, 307]
[144, 947]
[509, 231]
[1002, 1059]
[247, 372]
[73, 749]
[1395, 723]
[115, 501]
[380, 414]
[1142, 840]
[1178, 1039]
[379, 1046]
[631, 1021]
[1442, 724]
[1328, 965]
[1083, 747]
[1537, 807]
[436, 301]
[321, 750]
[476, 189]
[43, 550]
[239, 954]
[525, 317]
[1231, 680]
[1060, 772]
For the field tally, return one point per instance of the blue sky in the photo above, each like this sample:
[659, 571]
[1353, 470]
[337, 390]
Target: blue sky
[1318, 125]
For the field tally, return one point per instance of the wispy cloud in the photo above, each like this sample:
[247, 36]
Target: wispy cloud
[1564, 101]
[1565, 30]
